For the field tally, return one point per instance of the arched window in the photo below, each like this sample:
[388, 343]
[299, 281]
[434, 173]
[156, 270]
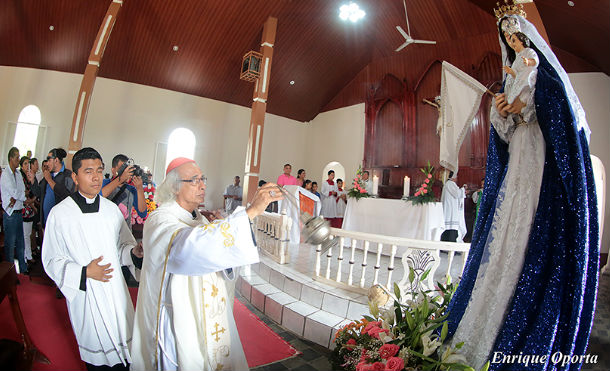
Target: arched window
[339, 171]
[181, 143]
[26, 133]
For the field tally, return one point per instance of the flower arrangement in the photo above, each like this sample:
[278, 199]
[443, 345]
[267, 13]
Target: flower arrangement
[149, 194]
[402, 336]
[424, 193]
[358, 190]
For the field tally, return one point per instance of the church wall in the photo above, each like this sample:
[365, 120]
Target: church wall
[336, 135]
[593, 90]
[129, 118]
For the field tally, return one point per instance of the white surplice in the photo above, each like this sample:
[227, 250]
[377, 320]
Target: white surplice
[341, 204]
[184, 314]
[329, 203]
[102, 315]
[452, 198]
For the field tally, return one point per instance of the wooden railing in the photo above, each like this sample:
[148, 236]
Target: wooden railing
[272, 232]
[420, 255]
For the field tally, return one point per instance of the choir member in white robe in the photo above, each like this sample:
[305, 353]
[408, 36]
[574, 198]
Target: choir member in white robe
[184, 313]
[86, 238]
[341, 199]
[368, 183]
[453, 211]
[328, 196]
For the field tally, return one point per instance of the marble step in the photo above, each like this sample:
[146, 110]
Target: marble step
[308, 308]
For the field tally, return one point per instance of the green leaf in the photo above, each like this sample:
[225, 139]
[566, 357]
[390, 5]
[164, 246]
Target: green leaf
[459, 345]
[420, 355]
[444, 331]
[458, 366]
[485, 366]
[425, 275]
[410, 321]
[369, 318]
[411, 274]
[396, 290]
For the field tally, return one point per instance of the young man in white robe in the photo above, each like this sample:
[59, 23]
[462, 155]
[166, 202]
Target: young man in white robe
[86, 239]
[328, 196]
[453, 210]
[184, 313]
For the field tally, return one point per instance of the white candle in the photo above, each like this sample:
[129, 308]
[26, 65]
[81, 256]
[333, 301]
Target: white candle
[375, 184]
[406, 186]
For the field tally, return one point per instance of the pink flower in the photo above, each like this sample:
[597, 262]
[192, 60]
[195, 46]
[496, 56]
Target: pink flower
[429, 176]
[425, 185]
[371, 325]
[363, 356]
[388, 350]
[417, 193]
[362, 190]
[350, 343]
[378, 366]
[363, 366]
[425, 191]
[375, 331]
[394, 364]
[427, 181]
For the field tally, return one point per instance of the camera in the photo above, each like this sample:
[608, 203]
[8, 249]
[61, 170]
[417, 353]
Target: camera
[136, 171]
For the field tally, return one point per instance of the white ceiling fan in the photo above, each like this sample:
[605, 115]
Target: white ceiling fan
[407, 35]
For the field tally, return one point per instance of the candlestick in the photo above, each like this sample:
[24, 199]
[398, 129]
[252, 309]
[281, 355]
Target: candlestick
[406, 186]
[375, 184]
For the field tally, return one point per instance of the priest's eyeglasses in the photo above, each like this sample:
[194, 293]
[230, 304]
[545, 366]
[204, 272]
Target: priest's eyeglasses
[196, 180]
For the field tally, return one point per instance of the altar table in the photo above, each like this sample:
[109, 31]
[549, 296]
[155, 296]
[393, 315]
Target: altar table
[396, 218]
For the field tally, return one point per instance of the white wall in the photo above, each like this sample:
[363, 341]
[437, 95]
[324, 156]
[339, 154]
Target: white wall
[338, 136]
[593, 90]
[129, 118]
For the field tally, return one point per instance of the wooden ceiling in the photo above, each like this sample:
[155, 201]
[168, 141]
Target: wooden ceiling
[321, 53]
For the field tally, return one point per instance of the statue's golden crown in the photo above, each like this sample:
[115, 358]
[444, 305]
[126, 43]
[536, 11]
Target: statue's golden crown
[504, 10]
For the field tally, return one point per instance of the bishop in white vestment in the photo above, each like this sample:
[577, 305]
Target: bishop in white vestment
[86, 238]
[184, 314]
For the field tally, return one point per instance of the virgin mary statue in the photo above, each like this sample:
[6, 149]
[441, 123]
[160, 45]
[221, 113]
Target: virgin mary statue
[530, 283]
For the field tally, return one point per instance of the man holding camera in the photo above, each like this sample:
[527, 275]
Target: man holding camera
[125, 195]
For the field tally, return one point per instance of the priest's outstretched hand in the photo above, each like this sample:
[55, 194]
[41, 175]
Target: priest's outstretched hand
[99, 272]
[138, 251]
[265, 195]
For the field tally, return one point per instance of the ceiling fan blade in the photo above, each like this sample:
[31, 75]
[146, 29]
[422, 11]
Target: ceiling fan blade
[406, 17]
[402, 32]
[402, 46]
[424, 42]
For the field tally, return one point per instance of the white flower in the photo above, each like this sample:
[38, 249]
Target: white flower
[451, 356]
[430, 342]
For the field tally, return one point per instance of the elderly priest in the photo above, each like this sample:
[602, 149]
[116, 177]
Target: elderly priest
[86, 238]
[184, 313]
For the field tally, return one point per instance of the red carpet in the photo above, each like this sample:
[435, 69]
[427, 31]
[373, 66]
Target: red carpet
[47, 320]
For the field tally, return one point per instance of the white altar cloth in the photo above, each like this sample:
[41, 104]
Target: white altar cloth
[396, 218]
[293, 212]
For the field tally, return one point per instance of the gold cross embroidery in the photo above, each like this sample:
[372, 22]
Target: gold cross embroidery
[215, 333]
[219, 367]
[214, 291]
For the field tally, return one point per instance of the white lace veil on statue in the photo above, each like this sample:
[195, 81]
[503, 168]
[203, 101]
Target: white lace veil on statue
[532, 33]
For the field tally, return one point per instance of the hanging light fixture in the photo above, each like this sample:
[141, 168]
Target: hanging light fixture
[351, 11]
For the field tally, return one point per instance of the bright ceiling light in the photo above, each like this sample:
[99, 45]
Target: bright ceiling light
[351, 11]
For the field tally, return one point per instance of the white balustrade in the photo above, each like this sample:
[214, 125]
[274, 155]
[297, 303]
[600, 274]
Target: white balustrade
[421, 256]
[272, 232]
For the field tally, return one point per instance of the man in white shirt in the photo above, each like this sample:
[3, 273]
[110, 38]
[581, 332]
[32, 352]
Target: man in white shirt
[184, 314]
[453, 210]
[233, 195]
[86, 239]
[13, 196]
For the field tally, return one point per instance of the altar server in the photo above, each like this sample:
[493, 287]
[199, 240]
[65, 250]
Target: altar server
[329, 197]
[453, 210]
[85, 240]
[184, 316]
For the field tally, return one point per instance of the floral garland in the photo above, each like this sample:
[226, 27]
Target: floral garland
[149, 195]
[400, 337]
[358, 190]
[424, 193]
